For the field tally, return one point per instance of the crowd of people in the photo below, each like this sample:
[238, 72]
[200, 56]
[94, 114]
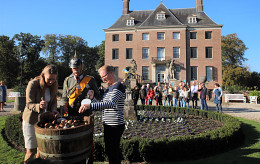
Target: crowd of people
[180, 95]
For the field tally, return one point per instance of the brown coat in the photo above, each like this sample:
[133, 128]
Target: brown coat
[33, 98]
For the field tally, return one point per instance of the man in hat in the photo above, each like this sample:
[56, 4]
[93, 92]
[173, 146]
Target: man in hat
[76, 87]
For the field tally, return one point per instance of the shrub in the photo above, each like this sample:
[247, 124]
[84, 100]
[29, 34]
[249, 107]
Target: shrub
[13, 129]
[163, 149]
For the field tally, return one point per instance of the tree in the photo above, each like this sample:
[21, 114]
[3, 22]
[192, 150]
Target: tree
[101, 54]
[51, 48]
[31, 63]
[8, 62]
[233, 50]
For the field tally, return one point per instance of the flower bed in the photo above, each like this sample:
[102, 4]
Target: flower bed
[158, 124]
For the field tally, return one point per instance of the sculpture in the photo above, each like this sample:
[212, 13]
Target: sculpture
[171, 69]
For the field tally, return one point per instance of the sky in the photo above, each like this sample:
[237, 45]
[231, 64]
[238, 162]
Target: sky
[88, 19]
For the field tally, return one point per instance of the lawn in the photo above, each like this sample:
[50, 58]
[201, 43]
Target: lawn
[248, 153]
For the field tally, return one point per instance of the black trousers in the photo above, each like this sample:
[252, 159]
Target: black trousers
[194, 99]
[112, 136]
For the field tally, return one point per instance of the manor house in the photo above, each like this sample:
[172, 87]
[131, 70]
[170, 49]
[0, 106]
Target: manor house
[155, 39]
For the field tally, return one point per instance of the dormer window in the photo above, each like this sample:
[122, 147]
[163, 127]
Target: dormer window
[161, 15]
[192, 19]
[130, 22]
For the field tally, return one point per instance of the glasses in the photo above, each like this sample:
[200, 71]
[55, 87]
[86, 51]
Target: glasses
[104, 76]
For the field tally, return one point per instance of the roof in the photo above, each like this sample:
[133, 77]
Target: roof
[174, 18]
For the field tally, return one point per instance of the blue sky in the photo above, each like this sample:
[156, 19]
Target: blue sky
[88, 18]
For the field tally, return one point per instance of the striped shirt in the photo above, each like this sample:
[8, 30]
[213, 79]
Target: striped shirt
[112, 105]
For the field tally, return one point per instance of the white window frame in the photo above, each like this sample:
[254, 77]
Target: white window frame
[176, 35]
[177, 72]
[192, 20]
[176, 51]
[145, 72]
[160, 35]
[161, 53]
[130, 22]
[145, 53]
[145, 36]
[209, 73]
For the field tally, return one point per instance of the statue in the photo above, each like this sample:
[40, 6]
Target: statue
[131, 71]
[171, 69]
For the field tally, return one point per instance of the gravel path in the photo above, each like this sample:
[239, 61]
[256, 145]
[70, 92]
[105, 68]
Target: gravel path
[237, 109]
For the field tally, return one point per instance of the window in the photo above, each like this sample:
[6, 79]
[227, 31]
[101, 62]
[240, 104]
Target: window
[130, 22]
[160, 36]
[176, 35]
[208, 35]
[161, 15]
[192, 20]
[129, 53]
[209, 73]
[145, 36]
[193, 35]
[193, 52]
[116, 37]
[115, 53]
[194, 73]
[145, 72]
[160, 53]
[208, 52]
[129, 37]
[160, 77]
[145, 53]
[177, 72]
[116, 71]
[176, 52]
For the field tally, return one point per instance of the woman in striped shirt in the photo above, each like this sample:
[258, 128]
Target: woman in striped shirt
[112, 107]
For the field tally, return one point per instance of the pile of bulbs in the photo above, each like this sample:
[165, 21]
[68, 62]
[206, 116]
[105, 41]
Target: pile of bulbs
[62, 123]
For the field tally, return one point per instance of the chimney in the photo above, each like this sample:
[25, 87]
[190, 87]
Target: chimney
[125, 7]
[199, 5]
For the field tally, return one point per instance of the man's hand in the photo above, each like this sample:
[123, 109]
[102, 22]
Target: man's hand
[83, 108]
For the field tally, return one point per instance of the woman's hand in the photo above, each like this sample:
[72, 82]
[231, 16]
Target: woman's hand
[55, 113]
[83, 108]
[43, 104]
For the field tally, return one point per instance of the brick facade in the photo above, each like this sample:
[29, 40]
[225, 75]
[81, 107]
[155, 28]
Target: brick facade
[184, 44]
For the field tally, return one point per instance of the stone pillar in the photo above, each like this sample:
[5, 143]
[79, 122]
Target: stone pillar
[129, 109]
[19, 103]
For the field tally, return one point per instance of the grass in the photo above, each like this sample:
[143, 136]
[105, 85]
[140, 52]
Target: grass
[248, 153]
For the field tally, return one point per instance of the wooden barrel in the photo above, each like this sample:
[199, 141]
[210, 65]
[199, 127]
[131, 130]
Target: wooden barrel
[66, 146]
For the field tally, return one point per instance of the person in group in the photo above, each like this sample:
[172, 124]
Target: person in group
[194, 94]
[135, 95]
[180, 90]
[175, 96]
[101, 91]
[142, 94]
[160, 89]
[150, 96]
[158, 96]
[112, 107]
[165, 94]
[170, 92]
[185, 96]
[40, 97]
[218, 97]
[203, 97]
[3, 95]
[76, 87]
[147, 90]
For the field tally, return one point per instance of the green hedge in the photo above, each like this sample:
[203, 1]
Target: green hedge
[163, 149]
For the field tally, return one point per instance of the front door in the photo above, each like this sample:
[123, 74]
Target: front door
[160, 73]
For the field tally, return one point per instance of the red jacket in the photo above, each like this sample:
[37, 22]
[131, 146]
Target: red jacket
[150, 94]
